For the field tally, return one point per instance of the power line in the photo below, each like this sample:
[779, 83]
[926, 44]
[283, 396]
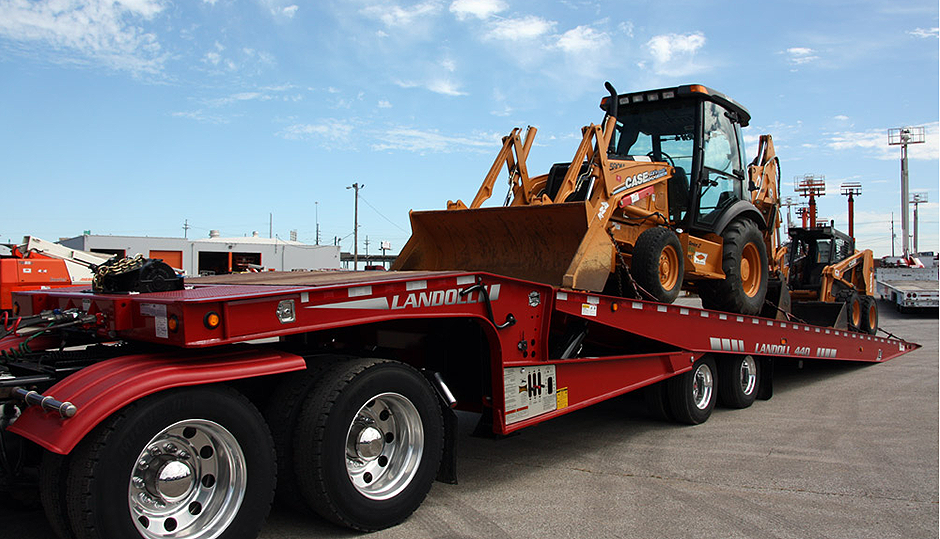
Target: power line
[382, 216]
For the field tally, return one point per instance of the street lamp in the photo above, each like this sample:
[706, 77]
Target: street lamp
[356, 187]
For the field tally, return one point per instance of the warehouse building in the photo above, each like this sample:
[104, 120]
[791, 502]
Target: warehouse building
[216, 255]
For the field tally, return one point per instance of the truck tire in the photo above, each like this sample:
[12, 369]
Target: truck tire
[52, 474]
[282, 413]
[738, 381]
[692, 394]
[369, 443]
[658, 263]
[853, 308]
[869, 315]
[196, 463]
[744, 262]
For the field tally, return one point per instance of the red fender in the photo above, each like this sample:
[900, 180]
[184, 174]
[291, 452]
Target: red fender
[104, 388]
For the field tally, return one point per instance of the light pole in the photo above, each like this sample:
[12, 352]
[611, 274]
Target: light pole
[917, 198]
[811, 186]
[356, 187]
[851, 189]
[902, 136]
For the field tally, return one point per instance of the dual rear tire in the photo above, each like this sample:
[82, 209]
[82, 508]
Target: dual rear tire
[200, 463]
[690, 398]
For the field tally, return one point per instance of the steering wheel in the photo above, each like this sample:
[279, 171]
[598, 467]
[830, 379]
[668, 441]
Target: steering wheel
[665, 157]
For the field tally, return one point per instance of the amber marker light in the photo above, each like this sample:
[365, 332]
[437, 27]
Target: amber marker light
[16, 308]
[614, 306]
[212, 320]
[173, 323]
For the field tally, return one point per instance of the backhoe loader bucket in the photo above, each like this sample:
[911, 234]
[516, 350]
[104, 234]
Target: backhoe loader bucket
[535, 243]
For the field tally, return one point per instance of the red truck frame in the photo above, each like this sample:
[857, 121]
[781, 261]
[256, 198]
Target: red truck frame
[183, 412]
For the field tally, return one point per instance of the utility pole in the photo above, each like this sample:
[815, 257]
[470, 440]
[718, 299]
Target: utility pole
[356, 187]
[902, 136]
[916, 199]
[893, 237]
[851, 189]
[367, 250]
[270, 225]
[316, 213]
[186, 228]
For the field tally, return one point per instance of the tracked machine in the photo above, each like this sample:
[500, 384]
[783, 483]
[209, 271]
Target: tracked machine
[657, 198]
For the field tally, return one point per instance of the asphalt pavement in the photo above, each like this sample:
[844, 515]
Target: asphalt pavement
[842, 450]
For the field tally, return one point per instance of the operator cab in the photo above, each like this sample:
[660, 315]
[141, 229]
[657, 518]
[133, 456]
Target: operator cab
[695, 130]
[811, 251]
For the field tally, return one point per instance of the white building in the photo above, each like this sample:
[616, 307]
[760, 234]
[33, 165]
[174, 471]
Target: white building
[216, 255]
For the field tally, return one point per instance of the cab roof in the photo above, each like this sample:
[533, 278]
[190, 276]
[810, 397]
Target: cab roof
[687, 91]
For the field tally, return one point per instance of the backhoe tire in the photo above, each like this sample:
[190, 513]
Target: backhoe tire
[744, 262]
[869, 315]
[853, 308]
[658, 263]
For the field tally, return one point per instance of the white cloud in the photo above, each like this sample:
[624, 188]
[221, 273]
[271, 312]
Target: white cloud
[96, 31]
[481, 9]
[331, 133]
[520, 29]
[583, 39]
[801, 55]
[289, 11]
[397, 16]
[437, 85]
[384, 104]
[875, 143]
[925, 32]
[674, 54]
[414, 140]
[841, 117]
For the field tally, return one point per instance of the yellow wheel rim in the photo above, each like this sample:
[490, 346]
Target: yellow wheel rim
[668, 268]
[750, 270]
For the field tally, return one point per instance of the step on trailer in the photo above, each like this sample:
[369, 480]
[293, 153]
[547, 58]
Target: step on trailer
[183, 411]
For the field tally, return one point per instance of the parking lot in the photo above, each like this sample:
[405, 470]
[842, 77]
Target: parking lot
[841, 450]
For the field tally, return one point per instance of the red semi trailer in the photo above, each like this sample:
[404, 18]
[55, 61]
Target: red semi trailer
[180, 413]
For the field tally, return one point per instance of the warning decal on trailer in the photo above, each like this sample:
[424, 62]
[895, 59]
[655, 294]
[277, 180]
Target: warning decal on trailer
[529, 391]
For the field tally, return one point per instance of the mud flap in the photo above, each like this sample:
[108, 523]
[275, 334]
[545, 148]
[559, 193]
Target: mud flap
[535, 243]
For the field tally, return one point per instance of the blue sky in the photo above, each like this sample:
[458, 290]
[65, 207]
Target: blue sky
[133, 116]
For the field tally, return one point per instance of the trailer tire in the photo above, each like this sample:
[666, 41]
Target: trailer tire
[52, 473]
[692, 394]
[369, 443]
[745, 265]
[869, 315]
[738, 381]
[195, 463]
[658, 263]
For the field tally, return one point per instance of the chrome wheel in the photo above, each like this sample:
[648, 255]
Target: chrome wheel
[188, 481]
[748, 375]
[384, 445]
[703, 384]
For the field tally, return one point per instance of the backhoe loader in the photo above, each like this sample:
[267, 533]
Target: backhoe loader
[657, 198]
